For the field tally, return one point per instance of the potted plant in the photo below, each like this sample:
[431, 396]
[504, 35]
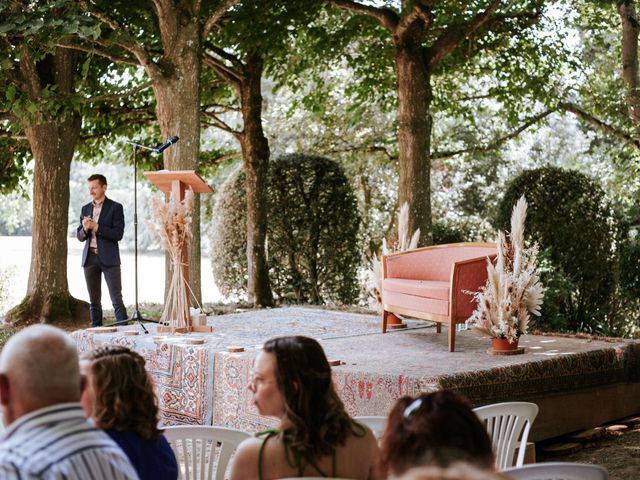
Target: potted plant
[513, 290]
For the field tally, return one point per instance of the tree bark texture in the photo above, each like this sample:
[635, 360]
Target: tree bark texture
[177, 92]
[630, 30]
[255, 154]
[414, 135]
[52, 144]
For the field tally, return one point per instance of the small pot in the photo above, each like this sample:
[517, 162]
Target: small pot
[503, 344]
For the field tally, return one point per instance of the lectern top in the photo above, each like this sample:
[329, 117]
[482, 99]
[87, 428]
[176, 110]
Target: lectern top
[164, 179]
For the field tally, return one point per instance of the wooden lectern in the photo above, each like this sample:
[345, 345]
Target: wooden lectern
[177, 182]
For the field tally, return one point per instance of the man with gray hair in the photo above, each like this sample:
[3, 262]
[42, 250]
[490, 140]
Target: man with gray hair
[48, 436]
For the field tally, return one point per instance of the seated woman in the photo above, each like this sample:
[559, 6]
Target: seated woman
[119, 398]
[316, 437]
[436, 429]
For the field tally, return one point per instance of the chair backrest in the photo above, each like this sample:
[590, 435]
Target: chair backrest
[508, 423]
[558, 471]
[375, 423]
[203, 451]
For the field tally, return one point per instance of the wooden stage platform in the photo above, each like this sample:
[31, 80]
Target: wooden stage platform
[577, 382]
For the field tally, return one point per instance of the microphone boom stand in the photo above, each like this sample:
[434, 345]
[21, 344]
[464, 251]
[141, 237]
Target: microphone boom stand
[136, 316]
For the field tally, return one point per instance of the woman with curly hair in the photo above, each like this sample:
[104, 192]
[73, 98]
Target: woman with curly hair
[434, 429]
[119, 397]
[316, 437]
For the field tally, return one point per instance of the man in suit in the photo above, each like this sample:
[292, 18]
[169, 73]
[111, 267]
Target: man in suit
[101, 228]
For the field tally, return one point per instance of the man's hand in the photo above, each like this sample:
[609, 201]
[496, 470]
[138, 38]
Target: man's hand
[87, 224]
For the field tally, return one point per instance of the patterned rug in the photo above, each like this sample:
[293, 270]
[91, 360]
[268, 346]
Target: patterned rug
[184, 374]
[205, 384]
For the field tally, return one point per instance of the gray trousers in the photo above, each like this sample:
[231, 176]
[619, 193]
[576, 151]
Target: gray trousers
[93, 271]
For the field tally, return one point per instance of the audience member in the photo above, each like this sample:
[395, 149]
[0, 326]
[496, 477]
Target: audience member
[120, 399]
[434, 429]
[457, 471]
[47, 435]
[316, 437]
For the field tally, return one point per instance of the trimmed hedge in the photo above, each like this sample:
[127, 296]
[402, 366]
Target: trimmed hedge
[575, 225]
[312, 236]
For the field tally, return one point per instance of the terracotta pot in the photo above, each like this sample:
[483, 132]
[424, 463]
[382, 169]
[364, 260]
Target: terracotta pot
[503, 344]
[393, 320]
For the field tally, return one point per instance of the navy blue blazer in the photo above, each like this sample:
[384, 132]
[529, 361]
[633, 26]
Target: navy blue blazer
[110, 232]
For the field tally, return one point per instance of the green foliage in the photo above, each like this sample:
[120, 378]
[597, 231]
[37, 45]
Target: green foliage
[100, 91]
[312, 234]
[229, 238]
[574, 223]
[630, 266]
[14, 164]
[450, 232]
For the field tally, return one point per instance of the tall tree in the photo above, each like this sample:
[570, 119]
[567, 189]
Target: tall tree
[426, 39]
[37, 86]
[238, 54]
[46, 92]
[52, 140]
[245, 78]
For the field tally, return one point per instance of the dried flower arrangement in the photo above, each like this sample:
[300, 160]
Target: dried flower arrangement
[402, 243]
[513, 289]
[174, 228]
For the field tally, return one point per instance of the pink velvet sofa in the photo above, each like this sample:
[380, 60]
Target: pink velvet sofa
[430, 283]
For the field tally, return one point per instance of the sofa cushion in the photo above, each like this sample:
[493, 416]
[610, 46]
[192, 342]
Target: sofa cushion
[419, 288]
[413, 302]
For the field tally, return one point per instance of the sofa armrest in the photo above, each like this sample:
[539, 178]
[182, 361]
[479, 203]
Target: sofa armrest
[467, 276]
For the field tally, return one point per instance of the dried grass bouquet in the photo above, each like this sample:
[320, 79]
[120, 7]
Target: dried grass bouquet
[513, 289]
[400, 245]
[174, 228]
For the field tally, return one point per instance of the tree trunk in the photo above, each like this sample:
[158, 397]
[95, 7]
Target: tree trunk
[177, 95]
[630, 30]
[414, 135]
[52, 145]
[255, 155]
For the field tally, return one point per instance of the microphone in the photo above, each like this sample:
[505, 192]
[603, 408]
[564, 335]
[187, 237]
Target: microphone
[170, 142]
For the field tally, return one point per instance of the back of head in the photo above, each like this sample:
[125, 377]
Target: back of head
[123, 390]
[319, 422]
[457, 471]
[41, 363]
[437, 429]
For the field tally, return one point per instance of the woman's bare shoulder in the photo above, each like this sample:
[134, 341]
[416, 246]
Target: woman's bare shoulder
[245, 460]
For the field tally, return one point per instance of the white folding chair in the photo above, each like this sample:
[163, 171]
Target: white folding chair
[558, 471]
[375, 423]
[202, 451]
[508, 423]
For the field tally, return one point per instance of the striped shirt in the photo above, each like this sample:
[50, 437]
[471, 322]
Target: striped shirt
[58, 442]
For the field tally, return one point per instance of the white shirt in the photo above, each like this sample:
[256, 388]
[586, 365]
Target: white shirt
[97, 208]
[58, 442]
